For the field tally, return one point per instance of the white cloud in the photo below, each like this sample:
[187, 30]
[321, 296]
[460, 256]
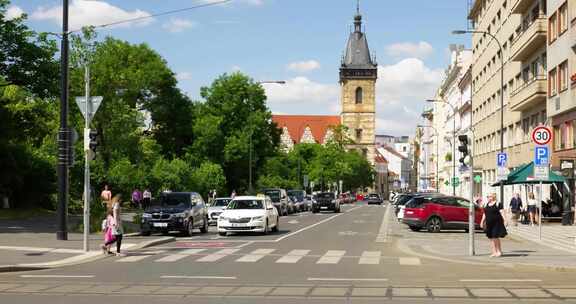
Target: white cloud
[85, 12]
[302, 94]
[176, 25]
[303, 66]
[421, 49]
[13, 12]
[183, 76]
[250, 2]
[236, 68]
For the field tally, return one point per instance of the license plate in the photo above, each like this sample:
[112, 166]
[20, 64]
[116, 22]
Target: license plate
[161, 225]
[324, 207]
[238, 225]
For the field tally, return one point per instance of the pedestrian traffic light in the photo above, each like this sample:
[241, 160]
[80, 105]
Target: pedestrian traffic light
[94, 140]
[463, 148]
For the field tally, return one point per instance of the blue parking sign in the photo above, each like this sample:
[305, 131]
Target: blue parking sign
[502, 159]
[541, 156]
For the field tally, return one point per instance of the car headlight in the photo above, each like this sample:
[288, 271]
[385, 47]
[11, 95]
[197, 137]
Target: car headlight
[259, 218]
[179, 215]
[146, 215]
[222, 218]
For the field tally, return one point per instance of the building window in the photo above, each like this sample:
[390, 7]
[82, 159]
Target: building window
[562, 19]
[358, 134]
[563, 76]
[552, 28]
[359, 96]
[552, 82]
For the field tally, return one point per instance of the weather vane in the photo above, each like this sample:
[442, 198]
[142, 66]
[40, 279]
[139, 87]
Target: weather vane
[358, 6]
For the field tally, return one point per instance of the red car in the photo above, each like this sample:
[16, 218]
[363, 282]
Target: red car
[435, 213]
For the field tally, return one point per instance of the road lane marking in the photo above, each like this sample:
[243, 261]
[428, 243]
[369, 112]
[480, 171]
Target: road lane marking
[331, 257]
[132, 259]
[255, 255]
[410, 261]
[293, 256]
[197, 277]
[56, 276]
[293, 222]
[181, 255]
[41, 249]
[501, 280]
[314, 225]
[218, 255]
[349, 279]
[383, 232]
[370, 258]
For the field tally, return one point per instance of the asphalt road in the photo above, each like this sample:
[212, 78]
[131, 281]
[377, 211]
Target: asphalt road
[357, 256]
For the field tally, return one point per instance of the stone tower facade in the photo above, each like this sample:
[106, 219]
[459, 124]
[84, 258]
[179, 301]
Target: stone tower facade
[358, 75]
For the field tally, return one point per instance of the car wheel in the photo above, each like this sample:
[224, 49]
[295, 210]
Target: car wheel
[277, 227]
[314, 210]
[414, 228]
[190, 228]
[265, 228]
[145, 233]
[204, 228]
[222, 233]
[434, 224]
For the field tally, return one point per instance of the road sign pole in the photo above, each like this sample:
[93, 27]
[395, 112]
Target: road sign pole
[87, 120]
[471, 216]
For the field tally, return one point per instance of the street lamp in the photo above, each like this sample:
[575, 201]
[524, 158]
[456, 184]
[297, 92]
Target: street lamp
[461, 32]
[453, 140]
[437, 156]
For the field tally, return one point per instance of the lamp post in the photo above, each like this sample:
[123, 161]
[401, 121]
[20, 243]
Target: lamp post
[461, 32]
[453, 140]
[437, 137]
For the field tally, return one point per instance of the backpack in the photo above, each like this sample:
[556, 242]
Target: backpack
[104, 225]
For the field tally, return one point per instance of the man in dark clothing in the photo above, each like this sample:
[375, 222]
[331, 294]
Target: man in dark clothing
[516, 208]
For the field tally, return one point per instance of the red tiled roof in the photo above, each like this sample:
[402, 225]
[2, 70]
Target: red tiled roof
[297, 124]
[393, 151]
[379, 158]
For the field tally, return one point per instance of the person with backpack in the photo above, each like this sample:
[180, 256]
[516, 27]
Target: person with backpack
[107, 228]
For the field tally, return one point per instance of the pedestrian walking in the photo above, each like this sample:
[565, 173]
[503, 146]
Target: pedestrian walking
[233, 195]
[118, 229]
[532, 209]
[146, 198]
[107, 228]
[106, 197]
[137, 198]
[516, 208]
[494, 225]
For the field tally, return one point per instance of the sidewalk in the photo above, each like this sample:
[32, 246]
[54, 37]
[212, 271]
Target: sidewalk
[554, 235]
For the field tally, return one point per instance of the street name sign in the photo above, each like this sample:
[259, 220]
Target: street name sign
[541, 135]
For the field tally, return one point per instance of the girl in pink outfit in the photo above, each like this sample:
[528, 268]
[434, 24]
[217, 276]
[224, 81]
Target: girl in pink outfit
[109, 237]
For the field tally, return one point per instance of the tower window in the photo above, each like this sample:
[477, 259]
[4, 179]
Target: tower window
[359, 96]
[358, 134]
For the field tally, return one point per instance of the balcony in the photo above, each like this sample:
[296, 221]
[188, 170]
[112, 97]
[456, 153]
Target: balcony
[531, 39]
[521, 6]
[529, 94]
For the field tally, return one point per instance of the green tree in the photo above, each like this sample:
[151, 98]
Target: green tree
[209, 176]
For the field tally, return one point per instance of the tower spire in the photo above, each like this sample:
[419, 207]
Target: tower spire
[358, 18]
[358, 7]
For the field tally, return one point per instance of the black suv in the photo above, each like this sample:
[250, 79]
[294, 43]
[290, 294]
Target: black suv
[175, 211]
[326, 201]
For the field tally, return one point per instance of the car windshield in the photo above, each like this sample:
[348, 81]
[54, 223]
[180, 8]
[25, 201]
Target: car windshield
[221, 202]
[175, 200]
[403, 200]
[245, 204]
[273, 194]
[328, 195]
[373, 195]
[296, 195]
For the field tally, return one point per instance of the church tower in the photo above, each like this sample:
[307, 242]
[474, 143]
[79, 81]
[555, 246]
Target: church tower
[358, 74]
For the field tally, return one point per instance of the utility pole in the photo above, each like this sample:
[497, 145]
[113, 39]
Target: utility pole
[63, 132]
[87, 120]
[250, 165]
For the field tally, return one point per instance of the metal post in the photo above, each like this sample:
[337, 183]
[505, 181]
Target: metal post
[540, 213]
[250, 166]
[63, 134]
[87, 120]
[472, 206]
[453, 152]
[437, 162]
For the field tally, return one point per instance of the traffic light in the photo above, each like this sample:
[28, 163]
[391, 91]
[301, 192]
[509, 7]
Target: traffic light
[94, 140]
[463, 148]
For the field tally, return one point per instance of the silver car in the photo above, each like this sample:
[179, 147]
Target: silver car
[216, 208]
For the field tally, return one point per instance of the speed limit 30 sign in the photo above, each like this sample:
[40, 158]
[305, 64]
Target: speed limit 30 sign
[541, 135]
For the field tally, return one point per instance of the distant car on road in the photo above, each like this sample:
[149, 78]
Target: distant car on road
[299, 197]
[249, 214]
[345, 198]
[216, 208]
[374, 198]
[175, 211]
[435, 213]
[326, 201]
[279, 198]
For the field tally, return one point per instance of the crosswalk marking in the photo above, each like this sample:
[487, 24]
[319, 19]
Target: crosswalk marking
[331, 257]
[409, 261]
[132, 259]
[293, 256]
[218, 255]
[370, 258]
[180, 255]
[255, 255]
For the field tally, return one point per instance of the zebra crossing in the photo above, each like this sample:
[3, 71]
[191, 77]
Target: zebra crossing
[235, 255]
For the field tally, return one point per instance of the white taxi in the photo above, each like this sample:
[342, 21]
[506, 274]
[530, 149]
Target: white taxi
[249, 214]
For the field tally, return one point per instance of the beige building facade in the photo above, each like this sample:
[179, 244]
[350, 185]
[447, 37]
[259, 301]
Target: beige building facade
[520, 27]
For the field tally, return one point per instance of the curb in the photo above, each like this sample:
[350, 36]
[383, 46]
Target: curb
[80, 259]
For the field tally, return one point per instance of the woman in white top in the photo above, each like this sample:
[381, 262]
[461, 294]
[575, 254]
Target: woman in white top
[118, 231]
[532, 208]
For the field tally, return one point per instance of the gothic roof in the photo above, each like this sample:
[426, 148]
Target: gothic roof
[297, 124]
[379, 158]
[357, 51]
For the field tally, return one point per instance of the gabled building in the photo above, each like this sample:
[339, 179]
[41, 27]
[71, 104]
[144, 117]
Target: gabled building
[310, 129]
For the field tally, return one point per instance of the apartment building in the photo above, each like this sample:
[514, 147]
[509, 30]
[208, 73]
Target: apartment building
[521, 28]
[562, 82]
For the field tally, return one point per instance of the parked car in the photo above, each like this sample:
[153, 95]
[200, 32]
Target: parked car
[345, 198]
[299, 196]
[175, 211]
[279, 199]
[309, 201]
[435, 213]
[374, 198]
[249, 214]
[326, 201]
[216, 208]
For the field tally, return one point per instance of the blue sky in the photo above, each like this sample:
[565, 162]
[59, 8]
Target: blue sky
[299, 41]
